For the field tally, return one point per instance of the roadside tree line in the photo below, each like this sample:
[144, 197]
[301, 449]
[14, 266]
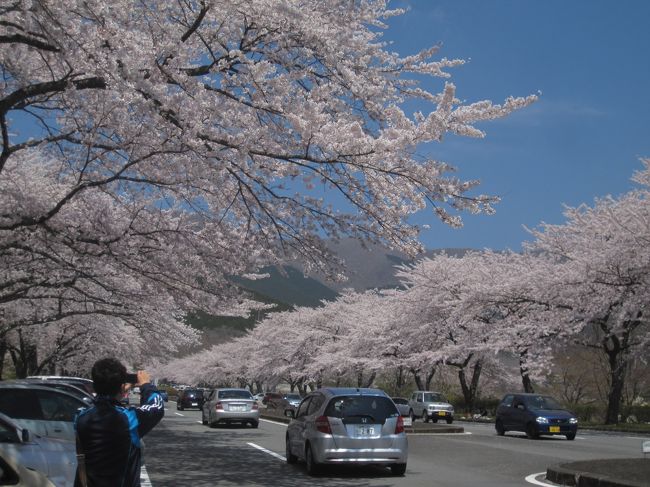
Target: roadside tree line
[150, 152]
[581, 284]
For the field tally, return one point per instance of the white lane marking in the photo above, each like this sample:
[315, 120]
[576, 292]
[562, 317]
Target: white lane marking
[532, 479]
[179, 414]
[144, 477]
[272, 453]
[274, 422]
[439, 434]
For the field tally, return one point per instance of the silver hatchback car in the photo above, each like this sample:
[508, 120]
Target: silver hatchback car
[334, 426]
[230, 406]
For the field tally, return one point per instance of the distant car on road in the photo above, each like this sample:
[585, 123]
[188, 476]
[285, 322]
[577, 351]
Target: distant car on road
[351, 426]
[42, 410]
[402, 405]
[430, 405]
[535, 415]
[231, 406]
[190, 398]
[54, 458]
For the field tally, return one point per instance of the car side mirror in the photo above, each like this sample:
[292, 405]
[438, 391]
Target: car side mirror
[26, 436]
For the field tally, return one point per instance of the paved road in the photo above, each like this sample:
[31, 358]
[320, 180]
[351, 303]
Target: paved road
[181, 451]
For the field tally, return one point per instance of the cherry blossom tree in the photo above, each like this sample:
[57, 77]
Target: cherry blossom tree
[166, 148]
[600, 285]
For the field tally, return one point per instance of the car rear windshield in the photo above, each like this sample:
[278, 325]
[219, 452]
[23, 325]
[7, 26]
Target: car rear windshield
[235, 395]
[354, 408]
[195, 393]
[434, 397]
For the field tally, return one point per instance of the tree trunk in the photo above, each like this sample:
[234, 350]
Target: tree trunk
[523, 370]
[24, 357]
[429, 378]
[470, 392]
[617, 367]
[418, 380]
[3, 354]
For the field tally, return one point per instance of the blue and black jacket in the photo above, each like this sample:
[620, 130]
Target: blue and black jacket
[109, 436]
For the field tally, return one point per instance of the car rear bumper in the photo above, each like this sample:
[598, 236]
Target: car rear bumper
[235, 416]
[325, 451]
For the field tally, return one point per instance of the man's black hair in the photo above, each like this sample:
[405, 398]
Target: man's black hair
[108, 376]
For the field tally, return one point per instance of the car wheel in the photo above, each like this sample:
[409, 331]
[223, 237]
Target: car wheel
[531, 431]
[571, 436]
[434, 419]
[425, 417]
[291, 458]
[313, 468]
[255, 424]
[450, 420]
[398, 469]
[412, 415]
[180, 408]
[499, 427]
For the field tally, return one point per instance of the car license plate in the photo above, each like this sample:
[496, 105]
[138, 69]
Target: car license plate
[407, 421]
[195, 404]
[554, 429]
[238, 408]
[365, 430]
[442, 413]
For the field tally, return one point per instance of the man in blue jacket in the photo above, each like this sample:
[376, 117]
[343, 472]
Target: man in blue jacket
[109, 435]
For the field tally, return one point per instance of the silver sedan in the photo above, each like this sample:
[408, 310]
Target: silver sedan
[347, 426]
[230, 406]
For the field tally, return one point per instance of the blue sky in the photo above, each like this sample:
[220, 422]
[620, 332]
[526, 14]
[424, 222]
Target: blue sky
[582, 140]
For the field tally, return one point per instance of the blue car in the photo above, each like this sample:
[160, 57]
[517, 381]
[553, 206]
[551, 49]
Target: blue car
[535, 415]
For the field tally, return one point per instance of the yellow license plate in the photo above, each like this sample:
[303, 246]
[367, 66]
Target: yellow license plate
[554, 429]
[442, 413]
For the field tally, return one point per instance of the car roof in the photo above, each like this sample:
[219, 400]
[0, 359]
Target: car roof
[58, 377]
[353, 391]
[16, 385]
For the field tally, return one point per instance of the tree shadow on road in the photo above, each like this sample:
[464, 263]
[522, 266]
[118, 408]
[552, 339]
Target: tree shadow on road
[221, 457]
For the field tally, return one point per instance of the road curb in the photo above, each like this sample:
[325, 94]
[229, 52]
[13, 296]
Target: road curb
[632, 472]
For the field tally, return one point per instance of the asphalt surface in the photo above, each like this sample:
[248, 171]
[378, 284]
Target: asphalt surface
[630, 472]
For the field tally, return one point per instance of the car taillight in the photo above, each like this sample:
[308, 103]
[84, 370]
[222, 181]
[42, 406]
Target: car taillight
[218, 406]
[255, 406]
[399, 428]
[323, 425]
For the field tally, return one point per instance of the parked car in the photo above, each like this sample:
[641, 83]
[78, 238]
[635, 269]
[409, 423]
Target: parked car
[75, 390]
[347, 426]
[258, 397]
[190, 398]
[430, 405]
[42, 410]
[54, 458]
[231, 406]
[535, 415]
[16, 475]
[82, 382]
[402, 405]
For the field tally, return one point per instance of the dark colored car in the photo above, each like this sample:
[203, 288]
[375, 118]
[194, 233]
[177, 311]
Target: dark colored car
[535, 415]
[190, 398]
[272, 399]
